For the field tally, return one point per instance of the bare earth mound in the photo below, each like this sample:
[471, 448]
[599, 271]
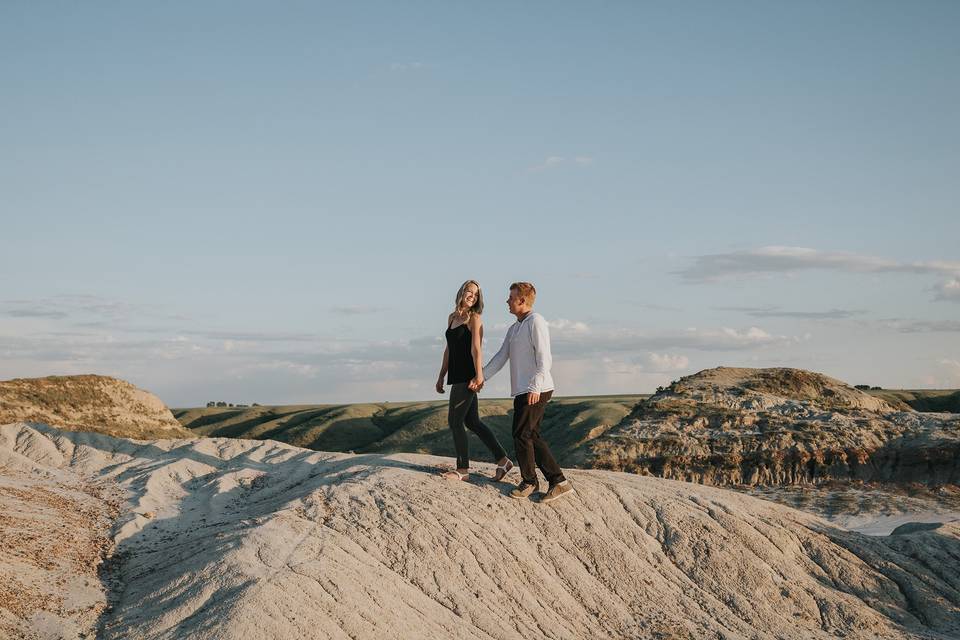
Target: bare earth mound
[226, 538]
[779, 426]
[89, 403]
[55, 530]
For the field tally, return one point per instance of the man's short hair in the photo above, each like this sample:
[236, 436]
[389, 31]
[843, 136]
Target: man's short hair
[525, 290]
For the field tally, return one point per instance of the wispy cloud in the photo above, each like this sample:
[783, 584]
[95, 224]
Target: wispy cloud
[948, 291]
[85, 309]
[780, 260]
[253, 336]
[777, 312]
[552, 162]
[37, 313]
[784, 260]
[921, 326]
[357, 310]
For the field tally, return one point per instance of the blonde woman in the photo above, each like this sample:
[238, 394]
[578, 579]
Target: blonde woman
[463, 366]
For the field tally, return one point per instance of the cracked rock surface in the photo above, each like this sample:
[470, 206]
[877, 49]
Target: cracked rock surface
[226, 538]
[763, 427]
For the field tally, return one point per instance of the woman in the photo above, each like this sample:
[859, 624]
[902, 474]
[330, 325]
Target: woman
[463, 361]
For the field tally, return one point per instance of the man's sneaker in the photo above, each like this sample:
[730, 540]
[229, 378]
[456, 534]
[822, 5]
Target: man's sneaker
[557, 490]
[525, 490]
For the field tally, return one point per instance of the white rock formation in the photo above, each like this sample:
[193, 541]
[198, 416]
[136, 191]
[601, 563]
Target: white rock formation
[225, 538]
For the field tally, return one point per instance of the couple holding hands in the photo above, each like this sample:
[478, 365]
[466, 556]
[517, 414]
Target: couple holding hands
[527, 347]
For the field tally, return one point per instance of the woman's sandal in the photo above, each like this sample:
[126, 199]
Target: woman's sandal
[453, 474]
[502, 471]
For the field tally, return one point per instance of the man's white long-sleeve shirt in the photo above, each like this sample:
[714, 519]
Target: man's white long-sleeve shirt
[527, 346]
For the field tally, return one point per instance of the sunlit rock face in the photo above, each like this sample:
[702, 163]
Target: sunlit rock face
[219, 538]
[89, 403]
[779, 426]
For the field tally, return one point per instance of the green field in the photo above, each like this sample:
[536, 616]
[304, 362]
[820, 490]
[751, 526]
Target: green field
[570, 424]
[415, 427]
[939, 400]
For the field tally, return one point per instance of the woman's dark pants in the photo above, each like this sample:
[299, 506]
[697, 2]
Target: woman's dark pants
[464, 412]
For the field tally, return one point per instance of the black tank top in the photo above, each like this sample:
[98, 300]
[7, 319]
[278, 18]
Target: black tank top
[459, 357]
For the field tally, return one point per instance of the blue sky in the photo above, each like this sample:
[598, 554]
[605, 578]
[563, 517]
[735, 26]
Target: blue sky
[251, 202]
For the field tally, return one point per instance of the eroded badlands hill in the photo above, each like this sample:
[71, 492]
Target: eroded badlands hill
[88, 403]
[222, 538]
[779, 426]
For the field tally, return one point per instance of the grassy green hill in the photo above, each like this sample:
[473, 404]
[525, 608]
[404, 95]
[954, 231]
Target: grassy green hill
[421, 427]
[939, 400]
[416, 427]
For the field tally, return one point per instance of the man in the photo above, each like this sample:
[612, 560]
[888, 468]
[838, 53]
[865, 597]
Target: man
[527, 346]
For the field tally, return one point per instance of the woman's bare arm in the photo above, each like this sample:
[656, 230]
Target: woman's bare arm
[444, 365]
[476, 350]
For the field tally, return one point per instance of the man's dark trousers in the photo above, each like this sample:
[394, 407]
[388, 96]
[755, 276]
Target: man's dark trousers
[532, 450]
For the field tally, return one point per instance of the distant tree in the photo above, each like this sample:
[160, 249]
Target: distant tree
[255, 405]
[660, 389]
[211, 404]
[230, 405]
[862, 387]
[876, 388]
[241, 406]
[221, 404]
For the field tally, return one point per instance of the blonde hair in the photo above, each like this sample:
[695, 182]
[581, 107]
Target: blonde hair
[477, 307]
[525, 290]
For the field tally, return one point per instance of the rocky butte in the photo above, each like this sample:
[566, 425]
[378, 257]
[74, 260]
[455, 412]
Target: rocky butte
[89, 403]
[731, 426]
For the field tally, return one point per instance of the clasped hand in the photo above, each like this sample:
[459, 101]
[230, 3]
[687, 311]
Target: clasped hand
[476, 384]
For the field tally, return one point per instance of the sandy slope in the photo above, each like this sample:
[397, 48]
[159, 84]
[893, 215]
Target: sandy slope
[251, 539]
[89, 403]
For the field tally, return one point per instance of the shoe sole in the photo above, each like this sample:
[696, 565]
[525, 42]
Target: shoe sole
[520, 497]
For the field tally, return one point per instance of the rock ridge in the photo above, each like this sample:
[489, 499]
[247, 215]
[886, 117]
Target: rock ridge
[89, 403]
[738, 426]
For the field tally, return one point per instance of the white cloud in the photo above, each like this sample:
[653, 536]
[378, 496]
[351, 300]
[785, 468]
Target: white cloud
[567, 327]
[593, 343]
[666, 362]
[949, 290]
[604, 376]
[753, 333]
